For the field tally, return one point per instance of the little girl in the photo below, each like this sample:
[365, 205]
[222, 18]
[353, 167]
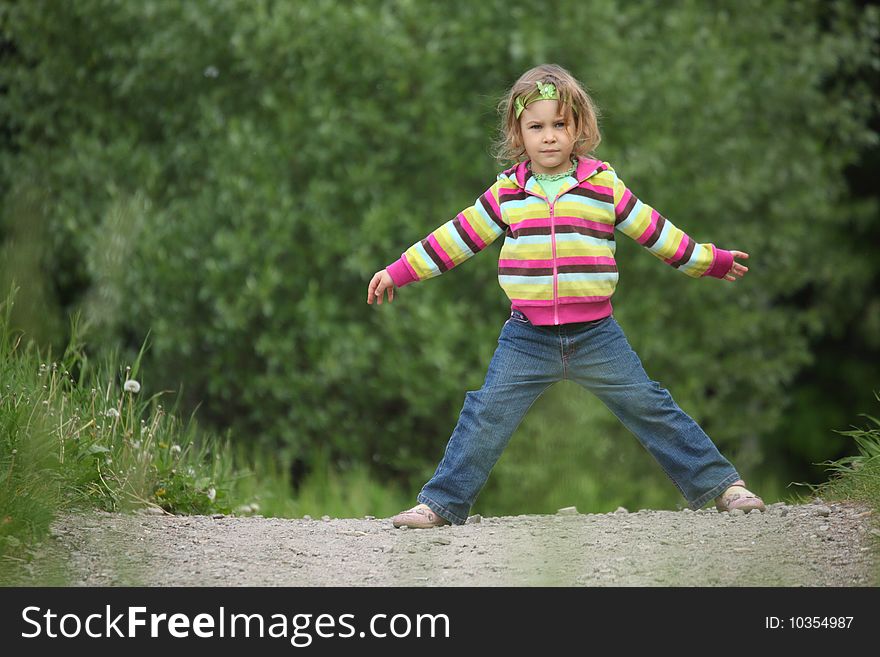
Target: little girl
[558, 210]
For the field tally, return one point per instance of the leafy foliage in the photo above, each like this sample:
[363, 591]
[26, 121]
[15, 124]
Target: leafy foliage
[230, 174]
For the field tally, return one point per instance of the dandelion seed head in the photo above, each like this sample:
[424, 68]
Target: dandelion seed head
[175, 449]
[212, 493]
[132, 386]
[111, 412]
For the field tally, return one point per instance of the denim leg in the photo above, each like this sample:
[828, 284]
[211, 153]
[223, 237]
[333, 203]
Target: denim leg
[526, 362]
[601, 359]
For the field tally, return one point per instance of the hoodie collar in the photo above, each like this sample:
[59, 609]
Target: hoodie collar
[586, 168]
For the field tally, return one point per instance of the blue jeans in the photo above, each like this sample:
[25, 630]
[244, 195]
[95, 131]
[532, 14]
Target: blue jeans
[528, 360]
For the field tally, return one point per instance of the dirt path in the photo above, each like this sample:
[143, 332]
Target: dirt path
[806, 545]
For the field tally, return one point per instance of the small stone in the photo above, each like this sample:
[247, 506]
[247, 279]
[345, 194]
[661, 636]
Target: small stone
[823, 510]
[307, 517]
[474, 519]
[737, 512]
[153, 511]
[567, 511]
[369, 517]
[784, 511]
[441, 540]
[325, 518]
[217, 516]
[620, 509]
[824, 528]
[818, 500]
[684, 510]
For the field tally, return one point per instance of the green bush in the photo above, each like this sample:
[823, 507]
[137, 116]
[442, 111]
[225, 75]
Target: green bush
[230, 174]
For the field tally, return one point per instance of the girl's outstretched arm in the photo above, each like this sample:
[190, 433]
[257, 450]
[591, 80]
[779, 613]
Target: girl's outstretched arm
[673, 246]
[471, 231]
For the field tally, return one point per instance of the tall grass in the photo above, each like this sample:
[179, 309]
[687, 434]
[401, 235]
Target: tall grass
[857, 478]
[75, 435]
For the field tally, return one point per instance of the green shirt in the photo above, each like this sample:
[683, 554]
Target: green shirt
[552, 183]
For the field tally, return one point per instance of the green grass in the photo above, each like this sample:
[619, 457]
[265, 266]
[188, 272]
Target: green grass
[857, 478]
[72, 437]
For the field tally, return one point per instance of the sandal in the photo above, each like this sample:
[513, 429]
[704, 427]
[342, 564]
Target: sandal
[737, 496]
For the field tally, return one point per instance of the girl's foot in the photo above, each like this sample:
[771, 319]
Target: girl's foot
[419, 517]
[737, 496]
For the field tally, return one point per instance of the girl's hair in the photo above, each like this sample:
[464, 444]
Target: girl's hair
[509, 147]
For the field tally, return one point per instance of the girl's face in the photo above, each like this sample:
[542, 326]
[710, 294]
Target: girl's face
[547, 136]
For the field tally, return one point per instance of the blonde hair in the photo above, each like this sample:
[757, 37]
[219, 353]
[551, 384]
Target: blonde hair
[510, 148]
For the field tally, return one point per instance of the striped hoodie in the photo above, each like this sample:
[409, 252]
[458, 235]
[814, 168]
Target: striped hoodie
[557, 262]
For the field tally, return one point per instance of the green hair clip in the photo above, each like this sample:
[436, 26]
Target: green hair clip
[544, 91]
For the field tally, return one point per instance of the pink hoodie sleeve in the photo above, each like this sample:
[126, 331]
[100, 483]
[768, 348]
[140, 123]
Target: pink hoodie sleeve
[457, 240]
[401, 272]
[722, 261]
[663, 239]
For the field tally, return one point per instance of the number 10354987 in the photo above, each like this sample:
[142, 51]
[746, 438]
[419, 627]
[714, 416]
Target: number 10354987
[808, 622]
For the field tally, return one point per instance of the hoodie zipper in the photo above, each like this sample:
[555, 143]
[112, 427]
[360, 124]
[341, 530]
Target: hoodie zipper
[553, 247]
[555, 274]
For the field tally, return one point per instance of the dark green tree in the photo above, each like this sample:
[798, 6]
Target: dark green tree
[230, 174]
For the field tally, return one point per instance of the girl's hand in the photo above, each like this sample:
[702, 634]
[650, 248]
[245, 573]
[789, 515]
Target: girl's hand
[736, 270]
[381, 282]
